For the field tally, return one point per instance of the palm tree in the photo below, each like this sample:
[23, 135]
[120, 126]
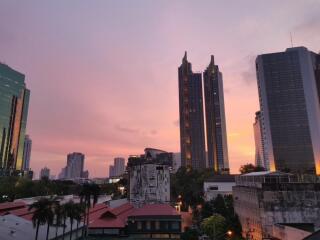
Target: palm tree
[58, 212]
[80, 211]
[87, 193]
[43, 214]
[64, 218]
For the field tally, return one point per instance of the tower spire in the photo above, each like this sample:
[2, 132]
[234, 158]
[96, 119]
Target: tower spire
[185, 57]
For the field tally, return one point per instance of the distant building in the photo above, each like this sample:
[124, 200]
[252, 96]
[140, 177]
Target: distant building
[44, 173]
[176, 161]
[119, 166]
[192, 136]
[62, 174]
[75, 164]
[14, 103]
[149, 176]
[259, 142]
[289, 84]
[215, 119]
[264, 199]
[111, 171]
[218, 184]
[27, 153]
[85, 174]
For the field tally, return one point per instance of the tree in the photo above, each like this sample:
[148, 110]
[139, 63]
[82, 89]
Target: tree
[58, 213]
[190, 234]
[249, 167]
[89, 196]
[43, 214]
[214, 227]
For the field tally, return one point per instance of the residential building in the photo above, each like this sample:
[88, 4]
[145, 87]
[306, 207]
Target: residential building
[119, 166]
[264, 199]
[218, 184]
[27, 153]
[259, 142]
[176, 161]
[215, 119]
[289, 84]
[192, 136]
[62, 174]
[111, 171]
[149, 176]
[44, 173]
[14, 102]
[151, 221]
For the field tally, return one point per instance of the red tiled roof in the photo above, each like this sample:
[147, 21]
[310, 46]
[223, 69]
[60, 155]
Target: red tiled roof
[111, 218]
[4, 207]
[155, 210]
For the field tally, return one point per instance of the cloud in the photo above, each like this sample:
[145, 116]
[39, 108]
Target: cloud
[127, 129]
[249, 74]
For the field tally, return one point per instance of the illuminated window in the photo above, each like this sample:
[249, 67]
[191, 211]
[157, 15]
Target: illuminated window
[139, 225]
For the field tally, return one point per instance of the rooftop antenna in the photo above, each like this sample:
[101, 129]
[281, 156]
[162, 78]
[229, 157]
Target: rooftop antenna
[291, 39]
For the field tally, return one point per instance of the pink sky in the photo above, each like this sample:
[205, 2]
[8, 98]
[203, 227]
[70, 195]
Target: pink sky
[103, 74]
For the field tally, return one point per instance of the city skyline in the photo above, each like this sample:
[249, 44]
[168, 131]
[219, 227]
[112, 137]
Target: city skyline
[89, 90]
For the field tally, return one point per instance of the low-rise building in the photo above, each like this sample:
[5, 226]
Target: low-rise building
[263, 199]
[218, 184]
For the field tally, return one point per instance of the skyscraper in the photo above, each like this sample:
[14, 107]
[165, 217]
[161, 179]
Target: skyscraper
[258, 140]
[44, 172]
[119, 166]
[192, 138]
[27, 152]
[111, 171]
[14, 101]
[289, 84]
[215, 119]
[75, 164]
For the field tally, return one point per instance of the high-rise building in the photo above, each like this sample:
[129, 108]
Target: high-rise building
[119, 166]
[27, 152]
[14, 101]
[149, 176]
[192, 138]
[111, 171]
[289, 84]
[258, 140]
[75, 164]
[215, 119]
[44, 172]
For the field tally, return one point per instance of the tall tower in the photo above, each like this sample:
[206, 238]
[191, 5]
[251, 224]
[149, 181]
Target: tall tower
[119, 166]
[27, 152]
[215, 119]
[192, 140]
[14, 102]
[259, 144]
[288, 84]
[75, 164]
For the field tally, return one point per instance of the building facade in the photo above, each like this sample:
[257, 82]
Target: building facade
[14, 102]
[149, 178]
[27, 153]
[215, 119]
[218, 184]
[289, 84]
[265, 199]
[44, 173]
[75, 165]
[259, 144]
[192, 136]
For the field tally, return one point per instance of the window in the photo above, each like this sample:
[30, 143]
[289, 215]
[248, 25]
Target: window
[157, 225]
[139, 225]
[175, 225]
[148, 225]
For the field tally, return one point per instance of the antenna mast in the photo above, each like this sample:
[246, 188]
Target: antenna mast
[291, 39]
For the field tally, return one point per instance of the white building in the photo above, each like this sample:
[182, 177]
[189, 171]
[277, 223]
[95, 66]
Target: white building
[149, 177]
[75, 164]
[218, 184]
[119, 166]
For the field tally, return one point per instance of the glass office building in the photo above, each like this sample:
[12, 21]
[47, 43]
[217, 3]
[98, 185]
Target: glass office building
[215, 119]
[192, 138]
[14, 101]
[288, 84]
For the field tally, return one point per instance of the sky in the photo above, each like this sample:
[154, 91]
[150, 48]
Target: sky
[103, 74]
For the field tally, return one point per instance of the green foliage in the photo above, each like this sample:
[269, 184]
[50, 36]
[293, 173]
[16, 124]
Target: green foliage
[12, 188]
[249, 167]
[190, 234]
[214, 226]
[223, 206]
[188, 184]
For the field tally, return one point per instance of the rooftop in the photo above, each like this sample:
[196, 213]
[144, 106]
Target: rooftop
[222, 178]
